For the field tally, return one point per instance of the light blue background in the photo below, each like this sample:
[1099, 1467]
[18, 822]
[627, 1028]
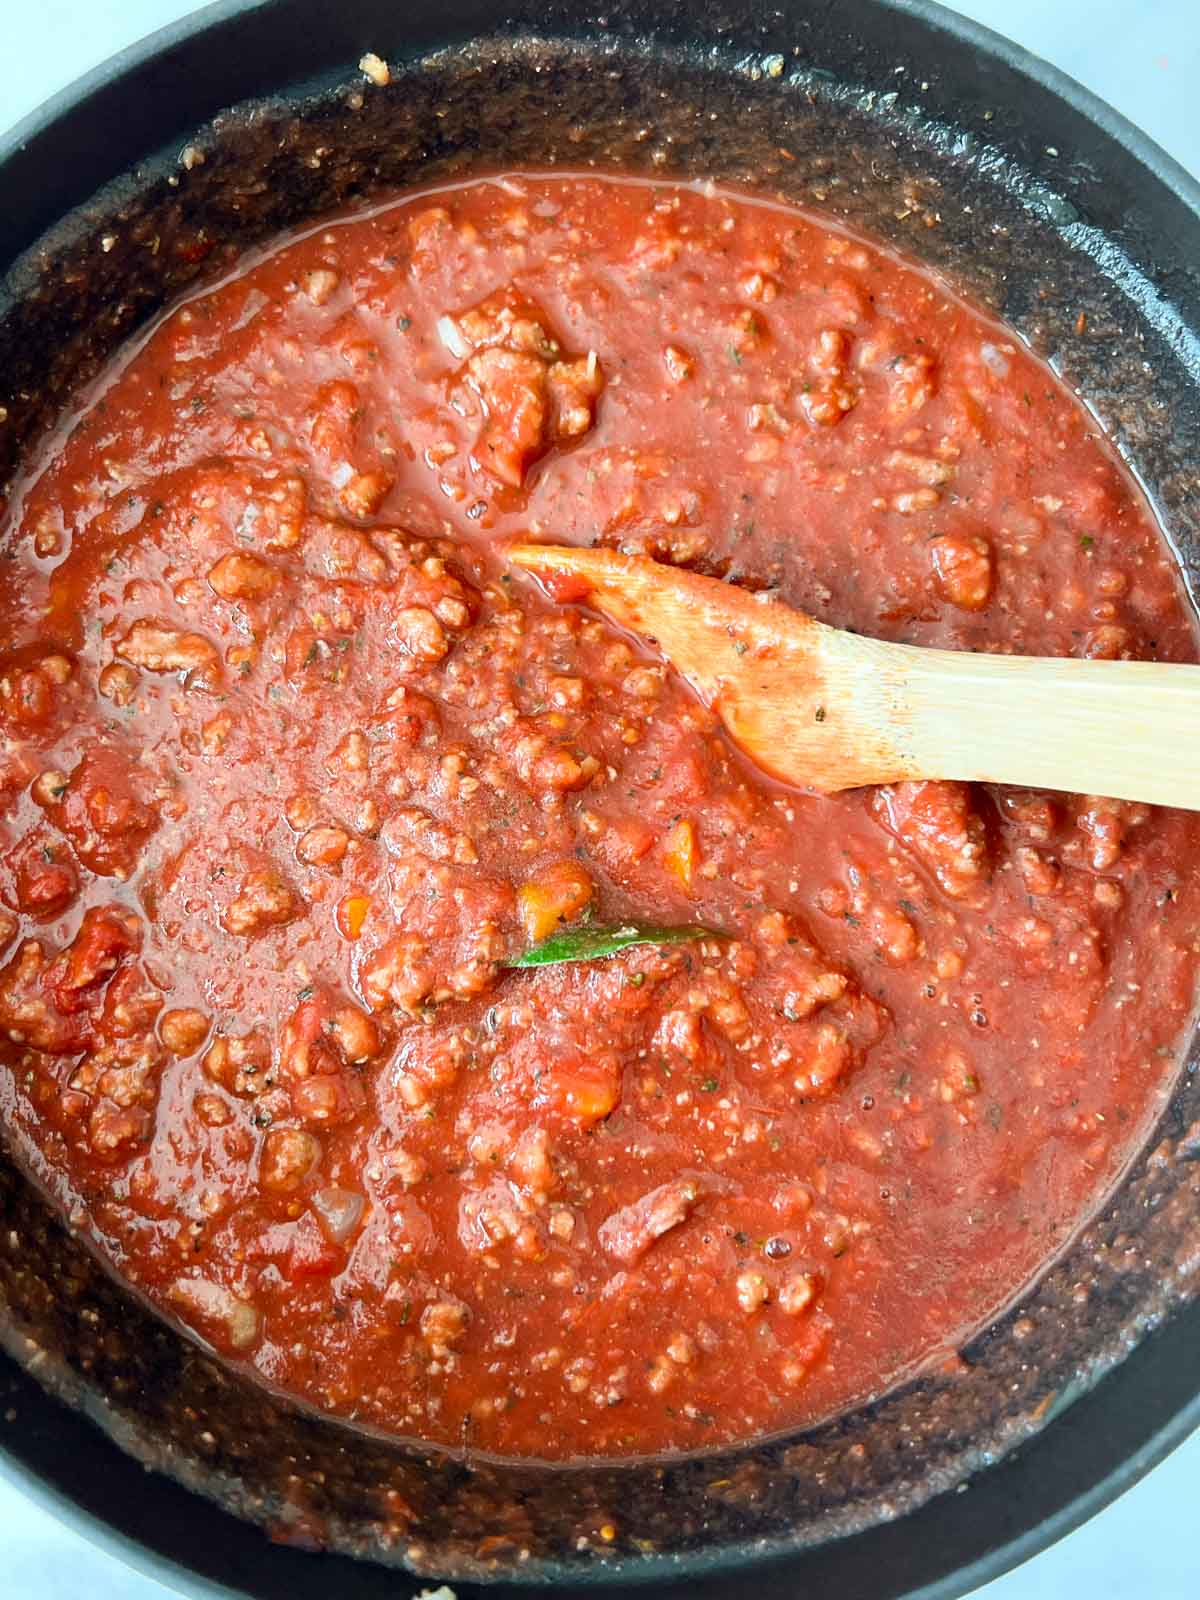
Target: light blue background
[1144, 57]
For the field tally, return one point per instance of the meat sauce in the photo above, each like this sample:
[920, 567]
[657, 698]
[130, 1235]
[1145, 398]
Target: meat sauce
[293, 765]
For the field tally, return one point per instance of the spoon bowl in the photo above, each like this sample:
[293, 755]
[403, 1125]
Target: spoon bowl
[828, 710]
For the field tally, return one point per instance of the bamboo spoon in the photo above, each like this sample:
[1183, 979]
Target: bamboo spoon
[829, 710]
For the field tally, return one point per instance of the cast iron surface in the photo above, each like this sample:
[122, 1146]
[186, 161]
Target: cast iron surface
[890, 116]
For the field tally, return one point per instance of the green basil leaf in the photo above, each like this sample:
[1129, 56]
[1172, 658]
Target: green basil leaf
[593, 944]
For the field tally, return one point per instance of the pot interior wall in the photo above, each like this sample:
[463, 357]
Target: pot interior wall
[878, 121]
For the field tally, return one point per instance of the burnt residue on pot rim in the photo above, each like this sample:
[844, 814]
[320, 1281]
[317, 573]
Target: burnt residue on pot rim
[948, 166]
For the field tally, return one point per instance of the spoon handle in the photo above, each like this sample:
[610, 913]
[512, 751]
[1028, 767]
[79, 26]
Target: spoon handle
[1127, 729]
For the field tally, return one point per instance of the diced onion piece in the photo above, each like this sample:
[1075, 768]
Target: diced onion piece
[339, 1211]
[251, 306]
[449, 332]
[220, 1313]
[994, 360]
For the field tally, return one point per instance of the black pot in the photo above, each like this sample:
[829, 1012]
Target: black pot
[1033, 197]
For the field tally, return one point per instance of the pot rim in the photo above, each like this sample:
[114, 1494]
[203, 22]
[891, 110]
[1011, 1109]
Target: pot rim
[1134, 1457]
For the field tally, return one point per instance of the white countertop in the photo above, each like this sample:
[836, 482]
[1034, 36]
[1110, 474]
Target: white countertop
[1145, 59]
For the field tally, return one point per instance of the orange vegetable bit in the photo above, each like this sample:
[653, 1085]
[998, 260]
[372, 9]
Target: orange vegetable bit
[681, 852]
[351, 914]
[556, 893]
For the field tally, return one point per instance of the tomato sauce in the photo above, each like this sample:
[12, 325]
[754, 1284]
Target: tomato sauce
[292, 765]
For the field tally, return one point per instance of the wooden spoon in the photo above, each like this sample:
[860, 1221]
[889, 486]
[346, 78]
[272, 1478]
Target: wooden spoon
[830, 710]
